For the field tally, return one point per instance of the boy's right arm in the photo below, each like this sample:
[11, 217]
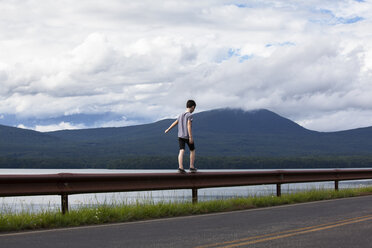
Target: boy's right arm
[171, 126]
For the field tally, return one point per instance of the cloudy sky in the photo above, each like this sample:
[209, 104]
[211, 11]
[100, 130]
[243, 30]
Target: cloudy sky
[81, 64]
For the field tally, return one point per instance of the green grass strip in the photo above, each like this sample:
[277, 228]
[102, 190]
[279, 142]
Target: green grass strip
[124, 212]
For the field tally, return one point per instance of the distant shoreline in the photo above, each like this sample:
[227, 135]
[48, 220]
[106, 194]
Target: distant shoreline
[203, 162]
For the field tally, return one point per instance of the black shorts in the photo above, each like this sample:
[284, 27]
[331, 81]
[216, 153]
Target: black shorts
[182, 143]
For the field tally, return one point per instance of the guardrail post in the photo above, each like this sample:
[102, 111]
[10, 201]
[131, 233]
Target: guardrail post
[64, 201]
[278, 189]
[336, 185]
[194, 195]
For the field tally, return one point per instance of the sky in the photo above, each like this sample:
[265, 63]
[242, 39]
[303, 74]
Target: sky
[84, 64]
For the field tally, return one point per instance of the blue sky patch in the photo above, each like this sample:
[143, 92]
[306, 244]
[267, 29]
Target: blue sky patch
[331, 19]
[236, 53]
[350, 20]
[282, 44]
[245, 57]
[241, 5]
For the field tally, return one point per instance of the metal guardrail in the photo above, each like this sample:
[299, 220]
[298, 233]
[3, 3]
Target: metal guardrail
[65, 184]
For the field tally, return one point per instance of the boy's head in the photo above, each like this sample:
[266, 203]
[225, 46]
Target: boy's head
[191, 105]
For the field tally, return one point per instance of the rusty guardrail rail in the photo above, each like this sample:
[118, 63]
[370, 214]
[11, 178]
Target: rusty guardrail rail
[65, 184]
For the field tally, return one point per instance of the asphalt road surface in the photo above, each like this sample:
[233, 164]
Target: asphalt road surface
[335, 223]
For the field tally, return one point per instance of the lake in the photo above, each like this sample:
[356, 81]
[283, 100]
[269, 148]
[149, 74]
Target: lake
[39, 203]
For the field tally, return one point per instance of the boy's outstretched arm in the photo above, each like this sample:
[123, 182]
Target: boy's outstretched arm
[171, 126]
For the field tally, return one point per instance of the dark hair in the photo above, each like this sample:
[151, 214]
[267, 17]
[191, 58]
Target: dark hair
[190, 103]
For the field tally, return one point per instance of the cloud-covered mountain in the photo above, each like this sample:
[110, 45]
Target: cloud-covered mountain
[310, 61]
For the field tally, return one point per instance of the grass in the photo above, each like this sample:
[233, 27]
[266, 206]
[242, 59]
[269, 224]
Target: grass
[113, 213]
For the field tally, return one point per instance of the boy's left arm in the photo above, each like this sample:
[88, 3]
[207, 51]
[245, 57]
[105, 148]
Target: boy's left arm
[189, 129]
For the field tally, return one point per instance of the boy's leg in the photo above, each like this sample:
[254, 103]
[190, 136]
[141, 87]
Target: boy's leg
[180, 158]
[192, 154]
[192, 158]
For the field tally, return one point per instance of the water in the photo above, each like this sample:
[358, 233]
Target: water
[38, 203]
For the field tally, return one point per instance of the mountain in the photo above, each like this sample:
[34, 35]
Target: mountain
[13, 135]
[17, 142]
[221, 132]
[237, 121]
[218, 133]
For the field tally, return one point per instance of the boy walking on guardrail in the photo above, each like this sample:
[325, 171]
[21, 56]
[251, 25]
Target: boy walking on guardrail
[184, 122]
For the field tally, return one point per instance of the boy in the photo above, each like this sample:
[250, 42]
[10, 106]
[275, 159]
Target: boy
[184, 122]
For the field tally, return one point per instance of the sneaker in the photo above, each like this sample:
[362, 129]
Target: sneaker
[193, 170]
[181, 170]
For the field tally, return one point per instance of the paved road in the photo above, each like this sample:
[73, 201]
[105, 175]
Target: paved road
[336, 223]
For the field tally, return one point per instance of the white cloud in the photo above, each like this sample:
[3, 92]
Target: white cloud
[54, 127]
[336, 121]
[23, 126]
[59, 126]
[119, 123]
[310, 61]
